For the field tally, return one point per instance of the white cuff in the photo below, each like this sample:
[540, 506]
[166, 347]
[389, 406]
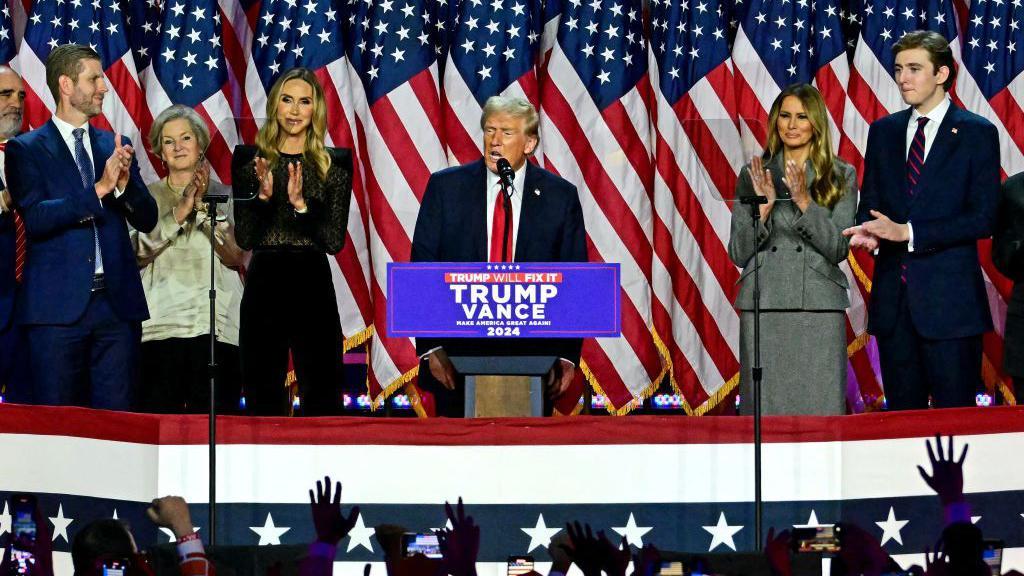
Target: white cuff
[910, 241]
[189, 547]
[429, 352]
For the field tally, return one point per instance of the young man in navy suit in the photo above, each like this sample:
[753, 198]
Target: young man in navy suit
[930, 192]
[78, 188]
[461, 219]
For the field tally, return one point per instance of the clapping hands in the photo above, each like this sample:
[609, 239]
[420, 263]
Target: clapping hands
[117, 168]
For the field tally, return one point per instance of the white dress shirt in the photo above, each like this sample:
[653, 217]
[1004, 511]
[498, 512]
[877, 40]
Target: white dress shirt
[493, 189]
[931, 129]
[67, 133]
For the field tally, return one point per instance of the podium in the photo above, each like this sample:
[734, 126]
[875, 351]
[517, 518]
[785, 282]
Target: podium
[534, 367]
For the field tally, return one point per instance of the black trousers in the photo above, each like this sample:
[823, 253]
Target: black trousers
[914, 367]
[175, 376]
[289, 303]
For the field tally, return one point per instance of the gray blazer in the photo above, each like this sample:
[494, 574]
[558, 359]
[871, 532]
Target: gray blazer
[799, 254]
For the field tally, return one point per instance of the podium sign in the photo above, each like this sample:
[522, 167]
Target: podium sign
[493, 300]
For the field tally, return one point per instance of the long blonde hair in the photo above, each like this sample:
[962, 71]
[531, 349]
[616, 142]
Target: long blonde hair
[270, 133]
[827, 188]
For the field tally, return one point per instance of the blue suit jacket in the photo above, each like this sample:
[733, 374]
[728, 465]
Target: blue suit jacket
[452, 227]
[954, 207]
[58, 211]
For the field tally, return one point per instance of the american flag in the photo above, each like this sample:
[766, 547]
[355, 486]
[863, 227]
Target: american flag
[392, 53]
[186, 65]
[651, 121]
[289, 33]
[101, 25]
[991, 83]
[492, 49]
[595, 130]
[697, 153]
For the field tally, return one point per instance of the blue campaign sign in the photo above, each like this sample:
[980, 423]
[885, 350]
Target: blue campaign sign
[512, 300]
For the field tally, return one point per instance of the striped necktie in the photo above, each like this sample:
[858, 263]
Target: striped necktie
[915, 158]
[88, 181]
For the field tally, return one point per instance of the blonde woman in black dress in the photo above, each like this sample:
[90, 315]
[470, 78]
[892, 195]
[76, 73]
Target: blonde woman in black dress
[297, 216]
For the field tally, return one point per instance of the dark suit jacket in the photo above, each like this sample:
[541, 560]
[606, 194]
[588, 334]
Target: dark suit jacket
[954, 207]
[1008, 256]
[7, 284]
[452, 227]
[58, 213]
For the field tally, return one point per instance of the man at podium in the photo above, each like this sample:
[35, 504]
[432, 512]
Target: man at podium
[500, 208]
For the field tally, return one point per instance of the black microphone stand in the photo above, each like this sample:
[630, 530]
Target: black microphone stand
[755, 201]
[211, 210]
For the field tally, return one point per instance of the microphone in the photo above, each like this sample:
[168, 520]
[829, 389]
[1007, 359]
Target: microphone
[505, 172]
[507, 175]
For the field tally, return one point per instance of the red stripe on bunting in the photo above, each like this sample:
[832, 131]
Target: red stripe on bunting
[193, 430]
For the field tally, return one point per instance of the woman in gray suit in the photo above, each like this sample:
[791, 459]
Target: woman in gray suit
[812, 197]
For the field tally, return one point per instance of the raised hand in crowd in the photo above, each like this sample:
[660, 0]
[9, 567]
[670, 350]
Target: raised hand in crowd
[594, 553]
[936, 564]
[330, 525]
[560, 548]
[947, 477]
[647, 561]
[42, 550]
[861, 553]
[460, 544]
[171, 512]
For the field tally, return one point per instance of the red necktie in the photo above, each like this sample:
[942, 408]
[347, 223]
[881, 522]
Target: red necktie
[499, 228]
[20, 240]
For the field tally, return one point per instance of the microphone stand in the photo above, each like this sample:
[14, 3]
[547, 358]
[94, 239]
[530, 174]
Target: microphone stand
[755, 201]
[211, 210]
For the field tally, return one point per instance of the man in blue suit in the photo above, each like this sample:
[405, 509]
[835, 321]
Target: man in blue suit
[77, 188]
[462, 218]
[930, 192]
[13, 362]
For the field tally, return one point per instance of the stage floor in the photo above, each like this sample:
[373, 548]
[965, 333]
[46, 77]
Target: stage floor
[681, 483]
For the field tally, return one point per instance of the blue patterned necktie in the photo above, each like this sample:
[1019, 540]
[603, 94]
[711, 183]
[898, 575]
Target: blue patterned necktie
[88, 181]
[915, 159]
